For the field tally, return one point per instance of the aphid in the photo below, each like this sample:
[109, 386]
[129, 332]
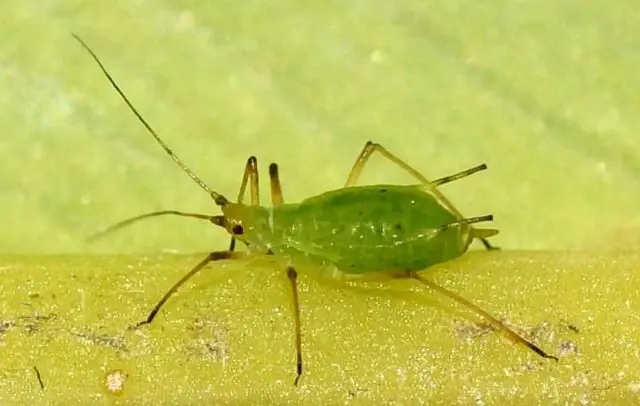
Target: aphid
[390, 230]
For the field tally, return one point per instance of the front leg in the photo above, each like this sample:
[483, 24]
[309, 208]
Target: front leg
[214, 256]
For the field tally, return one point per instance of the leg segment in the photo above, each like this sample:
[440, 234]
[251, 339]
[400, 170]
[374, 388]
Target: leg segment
[276, 200]
[490, 319]
[293, 278]
[488, 246]
[214, 256]
[251, 177]
[276, 188]
[371, 147]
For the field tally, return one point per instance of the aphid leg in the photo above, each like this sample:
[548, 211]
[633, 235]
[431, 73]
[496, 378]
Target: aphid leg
[488, 246]
[249, 176]
[214, 256]
[277, 199]
[276, 188]
[490, 319]
[370, 148]
[293, 278]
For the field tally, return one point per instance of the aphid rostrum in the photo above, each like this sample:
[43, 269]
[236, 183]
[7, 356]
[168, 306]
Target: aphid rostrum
[389, 230]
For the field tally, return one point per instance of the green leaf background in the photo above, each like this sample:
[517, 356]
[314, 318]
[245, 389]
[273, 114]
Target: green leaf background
[545, 92]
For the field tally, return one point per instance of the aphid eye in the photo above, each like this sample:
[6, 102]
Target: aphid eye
[237, 229]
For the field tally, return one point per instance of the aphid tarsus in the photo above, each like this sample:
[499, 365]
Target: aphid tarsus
[397, 230]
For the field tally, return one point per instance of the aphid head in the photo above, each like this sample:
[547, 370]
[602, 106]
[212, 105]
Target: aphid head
[237, 219]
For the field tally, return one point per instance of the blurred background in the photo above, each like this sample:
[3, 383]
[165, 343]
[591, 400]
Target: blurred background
[544, 91]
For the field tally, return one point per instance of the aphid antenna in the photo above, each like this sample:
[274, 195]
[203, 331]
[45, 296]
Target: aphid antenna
[131, 220]
[219, 199]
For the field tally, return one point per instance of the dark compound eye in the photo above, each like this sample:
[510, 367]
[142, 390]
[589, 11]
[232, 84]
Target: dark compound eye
[237, 229]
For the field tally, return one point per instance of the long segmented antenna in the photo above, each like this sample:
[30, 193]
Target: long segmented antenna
[131, 220]
[217, 197]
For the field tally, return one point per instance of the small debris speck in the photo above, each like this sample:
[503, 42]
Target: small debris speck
[116, 343]
[567, 347]
[114, 381]
[210, 339]
[39, 377]
[470, 331]
[6, 325]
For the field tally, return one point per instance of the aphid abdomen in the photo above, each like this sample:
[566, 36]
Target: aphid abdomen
[370, 229]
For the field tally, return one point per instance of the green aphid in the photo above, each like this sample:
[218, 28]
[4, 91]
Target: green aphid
[366, 231]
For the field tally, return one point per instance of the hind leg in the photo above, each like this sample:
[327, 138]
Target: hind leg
[371, 147]
[512, 335]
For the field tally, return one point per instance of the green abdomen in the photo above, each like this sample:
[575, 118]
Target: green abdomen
[370, 229]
